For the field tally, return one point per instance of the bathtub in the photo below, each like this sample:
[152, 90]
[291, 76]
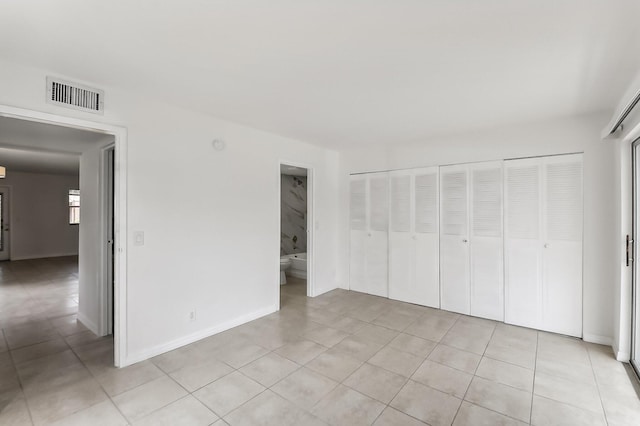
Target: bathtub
[298, 265]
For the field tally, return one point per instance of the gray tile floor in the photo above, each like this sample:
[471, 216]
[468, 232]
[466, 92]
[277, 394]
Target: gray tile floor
[343, 358]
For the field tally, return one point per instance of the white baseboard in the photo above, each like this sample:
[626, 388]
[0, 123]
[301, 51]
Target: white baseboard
[620, 355]
[194, 337]
[321, 291]
[42, 256]
[88, 323]
[595, 338]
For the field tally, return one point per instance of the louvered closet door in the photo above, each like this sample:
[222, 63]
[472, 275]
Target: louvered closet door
[427, 283]
[359, 229]
[402, 281]
[376, 257]
[523, 257]
[486, 243]
[562, 249]
[454, 239]
[413, 236]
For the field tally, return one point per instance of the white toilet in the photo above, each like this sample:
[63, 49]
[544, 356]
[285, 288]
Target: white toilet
[285, 263]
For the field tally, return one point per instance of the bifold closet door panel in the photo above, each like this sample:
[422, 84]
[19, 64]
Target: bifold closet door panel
[544, 199]
[401, 268]
[357, 269]
[376, 263]
[359, 230]
[427, 242]
[413, 236]
[523, 255]
[523, 283]
[562, 258]
[427, 265]
[376, 256]
[401, 242]
[562, 291]
[454, 239]
[486, 242]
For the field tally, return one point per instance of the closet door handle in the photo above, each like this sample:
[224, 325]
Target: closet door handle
[465, 240]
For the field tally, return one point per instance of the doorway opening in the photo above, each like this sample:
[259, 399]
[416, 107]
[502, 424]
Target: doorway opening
[4, 223]
[100, 185]
[296, 238]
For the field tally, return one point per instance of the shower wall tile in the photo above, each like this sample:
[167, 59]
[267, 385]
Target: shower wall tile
[293, 229]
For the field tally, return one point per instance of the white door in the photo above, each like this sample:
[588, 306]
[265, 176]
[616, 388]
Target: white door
[376, 252]
[454, 239]
[562, 248]
[402, 253]
[543, 243]
[4, 223]
[413, 236]
[369, 212]
[427, 253]
[486, 243]
[523, 256]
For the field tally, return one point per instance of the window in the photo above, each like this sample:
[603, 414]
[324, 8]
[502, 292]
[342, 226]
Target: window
[74, 207]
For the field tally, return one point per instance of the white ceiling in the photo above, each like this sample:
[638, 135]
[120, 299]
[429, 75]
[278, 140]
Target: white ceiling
[28, 146]
[20, 160]
[342, 72]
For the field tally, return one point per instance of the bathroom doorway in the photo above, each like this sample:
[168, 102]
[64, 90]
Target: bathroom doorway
[296, 219]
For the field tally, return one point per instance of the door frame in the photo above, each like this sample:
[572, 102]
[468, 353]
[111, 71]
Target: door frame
[7, 191]
[635, 267]
[107, 213]
[120, 214]
[311, 290]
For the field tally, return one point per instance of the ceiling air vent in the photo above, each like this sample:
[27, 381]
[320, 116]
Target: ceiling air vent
[76, 96]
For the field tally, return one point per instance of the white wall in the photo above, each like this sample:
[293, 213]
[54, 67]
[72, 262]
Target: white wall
[39, 215]
[579, 134]
[211, 219]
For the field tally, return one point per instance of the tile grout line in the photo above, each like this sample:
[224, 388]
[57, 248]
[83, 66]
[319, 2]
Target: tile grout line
[474, 373]
[93, 376]
[595, 379]
[535, 367]
[26, 400]
[341, 383]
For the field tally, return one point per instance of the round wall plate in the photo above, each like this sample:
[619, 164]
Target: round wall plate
[218, 144]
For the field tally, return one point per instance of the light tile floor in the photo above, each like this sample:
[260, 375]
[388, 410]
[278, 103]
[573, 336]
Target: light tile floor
[343, 358]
